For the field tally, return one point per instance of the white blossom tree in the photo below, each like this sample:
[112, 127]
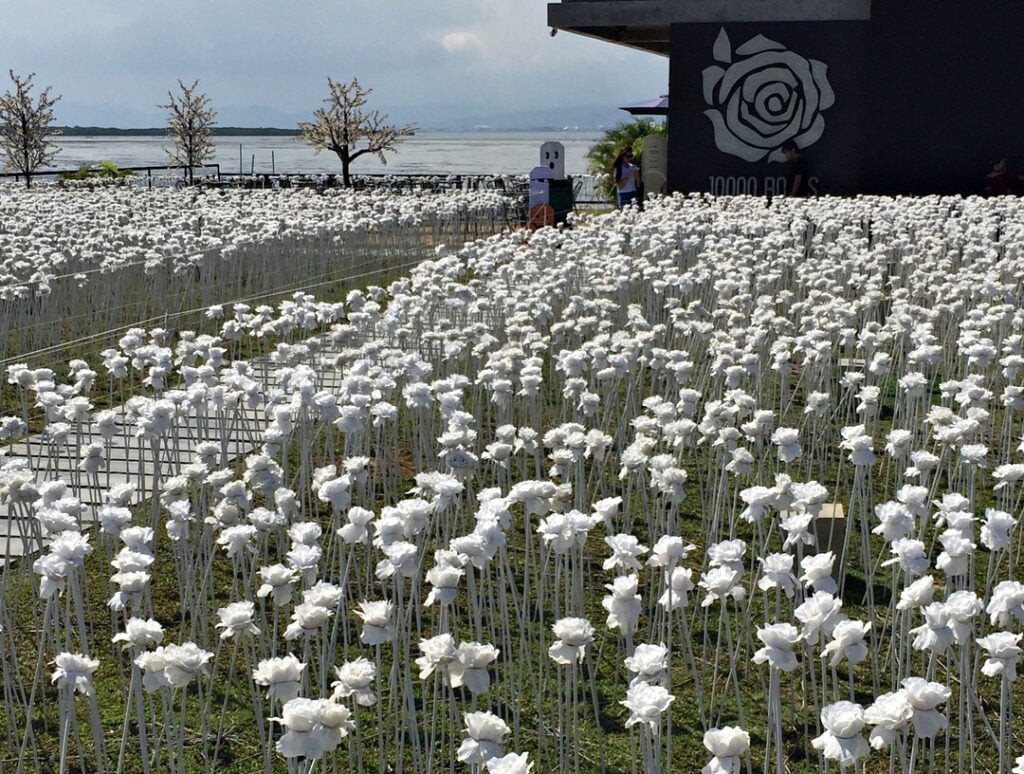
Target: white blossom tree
[191, 121]
[347, 128]
[25, 128]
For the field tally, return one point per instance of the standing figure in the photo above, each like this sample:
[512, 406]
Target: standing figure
[1000, 180]
[797, 173]
[626, 175]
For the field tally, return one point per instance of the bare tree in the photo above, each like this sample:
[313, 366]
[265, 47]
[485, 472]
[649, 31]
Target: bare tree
[25, 128]
[190, 119]
[347, 128]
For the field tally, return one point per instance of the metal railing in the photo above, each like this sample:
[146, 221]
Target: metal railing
[585, 193]
[162, 176]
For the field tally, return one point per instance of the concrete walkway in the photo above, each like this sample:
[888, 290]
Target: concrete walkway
[131, 460]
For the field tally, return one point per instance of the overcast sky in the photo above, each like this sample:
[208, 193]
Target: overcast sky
[266, 63]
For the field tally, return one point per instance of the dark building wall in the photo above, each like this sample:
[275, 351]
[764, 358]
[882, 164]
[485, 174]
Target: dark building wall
[926, 95]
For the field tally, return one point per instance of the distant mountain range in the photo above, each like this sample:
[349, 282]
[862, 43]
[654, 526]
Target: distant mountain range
[587, 117]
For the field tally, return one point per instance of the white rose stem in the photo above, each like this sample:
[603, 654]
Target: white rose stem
[1017, 509]
[666, 629]
[808, 666]
[568, 712]
[499, 617]
[995, 559]
[965, 703]
[647, 748]
[406, 615]
[20, 516]
[205, 703]
[717, 505]
[862, 487]
[75, 583]
[1005, 711]
[453, 723]
[505, 614]
[897, 636]
[474, 600]
[185, 562]
[165, 723]
[256, 696]
[50, 626]
[381, 747]
[196, 605]
[65, 713]
[436, 699]
[774, 723]
[544, 728]
[834, 674]
[705, 614]
[698, 682]
[733, 672]
[13, 690]
[136, 704]
[325, 659]
[345, 561]
[382, 462]
[182, 722]
[573, 685]
[562, 738]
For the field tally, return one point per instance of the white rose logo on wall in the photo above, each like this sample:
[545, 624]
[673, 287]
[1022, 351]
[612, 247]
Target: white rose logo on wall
[763, 96]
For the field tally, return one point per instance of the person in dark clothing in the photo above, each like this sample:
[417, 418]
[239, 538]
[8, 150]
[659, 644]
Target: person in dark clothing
[1000, 181]
[797, 173]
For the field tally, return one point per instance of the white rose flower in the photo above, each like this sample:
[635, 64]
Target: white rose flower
[74, 671]
[237, 618]
[574, 635]
[726, 745]
[469, 667]
[354, 678]
[779, 640]
[646, 703]
[484, 733]
[281, 677]
[648, 662]
[889, 714]
[513, 763]
[924, 696]
[1004, 652]
[841, 740]
[438, 652]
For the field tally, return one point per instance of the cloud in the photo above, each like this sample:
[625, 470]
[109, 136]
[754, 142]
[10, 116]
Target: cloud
[251, 55]
[461, 42]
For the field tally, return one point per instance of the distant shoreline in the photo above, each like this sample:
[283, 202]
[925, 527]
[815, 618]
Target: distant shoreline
[267, 131]
[218, 131]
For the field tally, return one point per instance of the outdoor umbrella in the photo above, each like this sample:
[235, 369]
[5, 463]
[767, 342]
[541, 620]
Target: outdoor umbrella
[650, 107]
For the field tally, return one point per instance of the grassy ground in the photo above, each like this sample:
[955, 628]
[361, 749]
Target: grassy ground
[220, 730]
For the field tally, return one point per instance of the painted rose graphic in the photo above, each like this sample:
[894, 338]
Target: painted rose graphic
[763, 96]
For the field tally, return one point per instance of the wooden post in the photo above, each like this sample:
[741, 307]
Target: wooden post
[830, 535]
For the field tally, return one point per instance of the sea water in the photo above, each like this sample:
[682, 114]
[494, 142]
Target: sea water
[429, 153]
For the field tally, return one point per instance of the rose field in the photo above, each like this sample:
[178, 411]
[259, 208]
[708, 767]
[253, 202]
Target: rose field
[384, 483]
